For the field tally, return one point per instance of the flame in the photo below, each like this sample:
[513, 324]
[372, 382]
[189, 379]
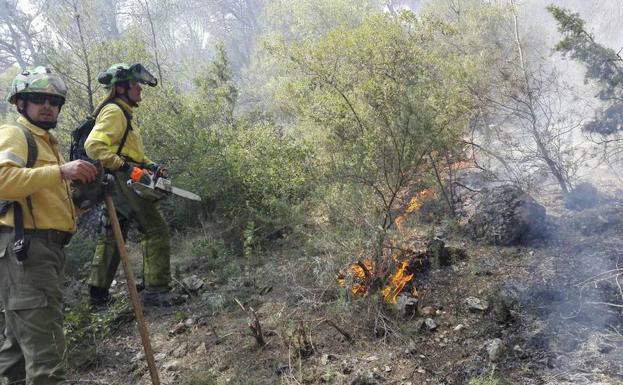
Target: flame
[397, 282]
[362, 271]
[416, 201]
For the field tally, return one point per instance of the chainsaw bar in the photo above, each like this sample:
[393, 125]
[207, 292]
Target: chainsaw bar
[160, 189]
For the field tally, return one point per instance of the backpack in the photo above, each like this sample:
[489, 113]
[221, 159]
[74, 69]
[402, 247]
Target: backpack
[81, 133]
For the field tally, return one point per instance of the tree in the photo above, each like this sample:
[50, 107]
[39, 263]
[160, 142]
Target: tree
[18, 42]
[387, 102]
[603, 65]
[525, 125]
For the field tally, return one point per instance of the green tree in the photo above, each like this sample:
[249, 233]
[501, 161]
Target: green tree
[387, 101]
[604, 66]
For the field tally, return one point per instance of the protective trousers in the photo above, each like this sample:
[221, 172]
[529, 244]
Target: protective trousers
[31, 293]
[155, 242]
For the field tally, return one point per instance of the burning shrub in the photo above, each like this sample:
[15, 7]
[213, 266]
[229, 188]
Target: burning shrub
[390, 278]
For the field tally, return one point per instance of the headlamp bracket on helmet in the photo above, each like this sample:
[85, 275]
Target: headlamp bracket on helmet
[123, 72]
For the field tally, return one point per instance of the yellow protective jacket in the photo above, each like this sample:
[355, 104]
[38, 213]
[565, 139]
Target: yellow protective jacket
[103, 141]
[51, 196]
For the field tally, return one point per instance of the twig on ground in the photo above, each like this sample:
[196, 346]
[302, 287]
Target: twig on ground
[605, 303]
[240, 304]
[256, 328]
[601, 276]
[346, 335]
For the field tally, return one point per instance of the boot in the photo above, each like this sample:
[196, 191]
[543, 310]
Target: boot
[99, 296]
[161, 298]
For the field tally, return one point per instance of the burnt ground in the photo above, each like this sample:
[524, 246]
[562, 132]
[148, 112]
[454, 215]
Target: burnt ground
[554, 309]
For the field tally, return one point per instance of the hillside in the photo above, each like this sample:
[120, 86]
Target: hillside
[552, 317]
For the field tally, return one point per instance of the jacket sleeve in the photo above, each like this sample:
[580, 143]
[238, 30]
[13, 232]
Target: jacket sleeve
[16, 181]
[108, 130]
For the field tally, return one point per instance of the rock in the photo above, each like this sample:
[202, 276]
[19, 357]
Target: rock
[192, 283]
[507, 216]
[583, 196]
[139, 356]
[406, 305]
[189, 322]
[160, 356]
[430, 324]
[179, 328]
[494, 349]
[214, 302]
[475, 304]
[201, 349]
[171, 365]
[458, 328]
[324, 359]
[428, 311]
[505, 303]
[438, 253]
[180, 351]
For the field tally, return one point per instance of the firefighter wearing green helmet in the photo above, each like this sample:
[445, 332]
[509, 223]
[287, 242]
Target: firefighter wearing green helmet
[37, 219]
[115, 140]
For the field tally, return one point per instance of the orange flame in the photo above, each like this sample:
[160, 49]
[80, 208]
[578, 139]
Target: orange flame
[362, 271]
[397, 282]
[416, 201]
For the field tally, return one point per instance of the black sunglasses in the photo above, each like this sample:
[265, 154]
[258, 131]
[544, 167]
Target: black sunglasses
[54, 100]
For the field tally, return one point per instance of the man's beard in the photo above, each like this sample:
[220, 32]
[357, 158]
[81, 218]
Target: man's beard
[45, 125]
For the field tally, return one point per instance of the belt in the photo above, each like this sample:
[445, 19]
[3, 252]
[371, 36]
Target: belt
[52, 236]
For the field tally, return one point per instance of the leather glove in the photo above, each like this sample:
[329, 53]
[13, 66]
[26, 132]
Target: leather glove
[157, 170]
[87, 195]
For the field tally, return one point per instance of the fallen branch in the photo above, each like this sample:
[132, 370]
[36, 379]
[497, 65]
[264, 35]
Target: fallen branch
[601, 277]
[346, 335]
[256, 328]
[605, 303]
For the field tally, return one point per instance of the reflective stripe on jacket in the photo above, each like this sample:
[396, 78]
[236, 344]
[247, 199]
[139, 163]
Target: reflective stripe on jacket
[103, 141]
[51, 196]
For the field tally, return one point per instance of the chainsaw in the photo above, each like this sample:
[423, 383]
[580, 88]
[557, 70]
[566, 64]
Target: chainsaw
[154, 187]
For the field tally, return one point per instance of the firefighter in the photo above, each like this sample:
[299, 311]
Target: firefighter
[37, 219]
[115, 140]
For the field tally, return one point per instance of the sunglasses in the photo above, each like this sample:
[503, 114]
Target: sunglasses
[53, 100]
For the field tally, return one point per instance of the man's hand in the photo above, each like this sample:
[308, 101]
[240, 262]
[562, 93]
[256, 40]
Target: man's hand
[79, 170]
[157, 170]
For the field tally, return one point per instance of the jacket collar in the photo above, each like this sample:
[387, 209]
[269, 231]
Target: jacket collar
[34, 129]
[125, 106]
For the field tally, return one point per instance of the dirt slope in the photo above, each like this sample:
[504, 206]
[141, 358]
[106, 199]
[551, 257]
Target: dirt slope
[551, 319]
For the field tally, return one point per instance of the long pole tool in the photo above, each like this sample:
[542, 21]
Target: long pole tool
[136, 302]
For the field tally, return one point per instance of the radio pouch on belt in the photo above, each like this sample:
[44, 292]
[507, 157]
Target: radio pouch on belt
[20, 246]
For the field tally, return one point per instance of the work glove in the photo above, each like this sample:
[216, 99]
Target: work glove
[157, 170]
[87, 195]
[136, 174]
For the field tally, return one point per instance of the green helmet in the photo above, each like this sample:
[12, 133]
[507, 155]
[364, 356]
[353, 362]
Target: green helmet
[39, 80]
[122, 71]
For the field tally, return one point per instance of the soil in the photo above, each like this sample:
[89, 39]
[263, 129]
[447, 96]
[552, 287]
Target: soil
[554, 309]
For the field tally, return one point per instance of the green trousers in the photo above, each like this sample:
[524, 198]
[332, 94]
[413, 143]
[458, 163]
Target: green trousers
[31, 294]
[156, 240]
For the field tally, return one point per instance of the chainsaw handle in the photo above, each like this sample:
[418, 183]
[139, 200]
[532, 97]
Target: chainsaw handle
[140, 175]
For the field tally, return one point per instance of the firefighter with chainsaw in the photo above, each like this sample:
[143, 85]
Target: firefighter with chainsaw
[37, 219]
[116, 142]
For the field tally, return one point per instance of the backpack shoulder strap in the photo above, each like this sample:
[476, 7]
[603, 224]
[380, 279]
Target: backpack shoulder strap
[18, 216]
[128, 127]
[33, 152]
